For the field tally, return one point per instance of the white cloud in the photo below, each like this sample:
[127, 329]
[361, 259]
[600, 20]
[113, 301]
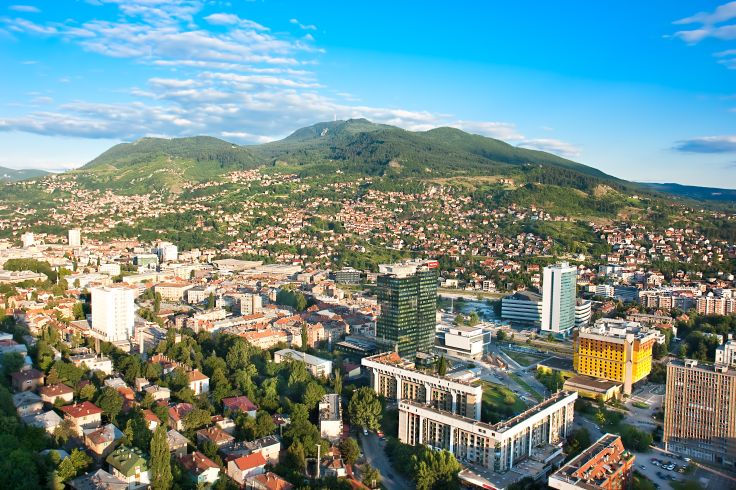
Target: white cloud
[558, 147]
[499, 130]
[720, 14]
[29, 9]
[304, 27]
[223, 19]
[716, 24]
[708, 144]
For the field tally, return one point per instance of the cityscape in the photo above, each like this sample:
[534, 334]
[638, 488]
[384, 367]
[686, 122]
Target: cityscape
[219, 270]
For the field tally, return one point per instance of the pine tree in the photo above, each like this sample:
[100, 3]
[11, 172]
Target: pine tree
[160, 460]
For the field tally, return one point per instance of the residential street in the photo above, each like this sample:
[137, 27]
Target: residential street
[375, 455]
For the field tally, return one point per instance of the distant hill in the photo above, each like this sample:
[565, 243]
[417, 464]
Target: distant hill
[9, 174]
[164, 164]
[694, 192]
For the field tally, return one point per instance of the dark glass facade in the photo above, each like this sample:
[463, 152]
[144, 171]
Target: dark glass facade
[408, 310]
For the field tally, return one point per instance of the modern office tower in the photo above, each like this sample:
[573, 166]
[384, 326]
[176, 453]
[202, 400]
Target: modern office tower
[615, 349]
[700, 412]
[529, 443]
[397, 379]
[113, 310]
[28, 239]
[606, 464]
[75, 237]
[522, 307]
[407, 294]
[558, 299]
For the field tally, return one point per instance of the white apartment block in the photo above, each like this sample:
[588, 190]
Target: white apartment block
[75, 237]
[330, 417]
[496, 447]
[462, 341]
[726, 354]
[316, 365]
[396, 379]
[559, 292]
[113, 312]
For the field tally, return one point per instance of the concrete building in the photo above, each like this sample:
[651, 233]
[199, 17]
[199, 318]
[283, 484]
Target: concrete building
[535, 434]
[249, 304]
[172, 291]
[407, 295]
[347, 276]
[700, 412]
[316, 365]
[559, 292]
[397, 379]
[726, 354]
[113, 312]
[463, 341]
[522, 307]
[606, 464]
[583, 312]
[616, 350]
[330, 417]
[167, 252]
[111, 269]
[28, 239]
[74, 237]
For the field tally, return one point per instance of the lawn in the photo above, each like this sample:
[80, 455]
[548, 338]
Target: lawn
[523, 358]
[640, 404]
[499, 403]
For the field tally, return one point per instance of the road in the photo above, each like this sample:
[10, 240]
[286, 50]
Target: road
[376, 457]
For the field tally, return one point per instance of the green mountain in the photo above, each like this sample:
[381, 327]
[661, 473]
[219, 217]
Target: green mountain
[362, 147]
[12, 175]
[163, 164]
[694, 192]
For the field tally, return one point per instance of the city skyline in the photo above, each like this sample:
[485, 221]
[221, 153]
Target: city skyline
[642, 92]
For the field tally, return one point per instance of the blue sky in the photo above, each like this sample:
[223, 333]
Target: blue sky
[642, 90]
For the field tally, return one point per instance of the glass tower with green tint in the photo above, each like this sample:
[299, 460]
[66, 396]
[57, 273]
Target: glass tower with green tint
[407, 294]
[559, 291]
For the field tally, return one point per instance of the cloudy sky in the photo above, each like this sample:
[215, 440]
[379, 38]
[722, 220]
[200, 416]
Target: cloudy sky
[642, 90]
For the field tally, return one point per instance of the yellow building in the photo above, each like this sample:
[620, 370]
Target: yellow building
[615, 349]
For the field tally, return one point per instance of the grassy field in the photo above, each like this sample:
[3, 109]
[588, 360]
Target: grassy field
[499, 403]
[523, 358]
[527, 386]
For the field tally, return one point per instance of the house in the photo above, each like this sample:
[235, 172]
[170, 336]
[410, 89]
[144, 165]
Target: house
[27, 380]
[177, 442]
[27, 403]
[177, 414]
[269, 447]
[215, 435]
[49, 394]
[85, 415]
[246, 466]
[152, 420]
[99, 480]
[158, 392]
[48, 421]
[225, 423]
[201, 469]
[93, 362]
[103, 440]
[240, 403]
[130, 465]
[335, 467]
[198, 382]
[268, 481]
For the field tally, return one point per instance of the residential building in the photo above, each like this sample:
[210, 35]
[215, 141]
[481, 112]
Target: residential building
[113, 312]
[245, 467]
[606, 464]
[93, 362]
[316, 365]
[559, 283]
[249, 304]
[99, 480]
[27, 380]
[407, 295]
[529, 442]
[583, 312]
[269, 447]
[85, 415]
[199, 383]
[130, 465]
[103, 440]
[616, 350]
[397, 379]
[202, 470]
[110, 269]
[522, 307]
[47, 421]
[726, 353]
[49, 394]
[172, 291]
[268, 481]
[177, 442]
[240, 403]
[28, 239]
[74, 237]
[177, 414]
[27, 403]
[167, 252]
[215, 435]
[330, 417]
[700, 412]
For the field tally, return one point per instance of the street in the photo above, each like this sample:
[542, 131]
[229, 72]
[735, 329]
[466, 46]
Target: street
[375, 455]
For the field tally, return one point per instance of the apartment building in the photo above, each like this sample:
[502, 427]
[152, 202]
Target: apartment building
[172, 291]
[397, 379]
[726, 354]
[113, 312]
[316, 365]
[616, 350]
[606, 464]
[330, 417]
[534, 434]
[700, 412]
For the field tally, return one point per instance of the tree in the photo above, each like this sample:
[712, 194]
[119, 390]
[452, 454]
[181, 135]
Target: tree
[87, 392]
[264, 425]
[338, 383]
[64, 431]
[473, 319]
[305, 337]
[349, 450]
[600, 417]
[313, 393]
[12, 362]
[77, 462]
[371, 476]
[436, 470]
[500, 335]
[442, 366]
[196, 419]
[160, 466]
[111, 403]
[365, 408]
[578, 440]
[295, 456]
[211, 301]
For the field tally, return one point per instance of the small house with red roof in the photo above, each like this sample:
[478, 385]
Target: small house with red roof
[85, 415]
[246, 466]
[240, 403]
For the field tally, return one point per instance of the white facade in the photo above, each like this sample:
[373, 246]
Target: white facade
[583, 312]
[75, 237]
[330, 417]
[167, 252]
[726, 354]
[113, 312]
[316, 365]
[558, 298]
[523, 307]
[109, 269]
[464, 341]
[28, 239]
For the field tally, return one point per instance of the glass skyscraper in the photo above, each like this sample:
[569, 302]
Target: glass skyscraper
[407, 294]
[559, 290]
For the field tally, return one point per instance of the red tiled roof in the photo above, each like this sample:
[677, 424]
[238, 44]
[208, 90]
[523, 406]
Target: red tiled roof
[250, 461]
[81, 409]
[196, 375]
[197, 462]
[242, 403]
[55, 390]
[272, 481]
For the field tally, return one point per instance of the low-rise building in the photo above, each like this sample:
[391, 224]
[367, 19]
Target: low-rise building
[130, 465]
[240, 404]
[216, 436]
[317, 366]
[606, 464]
[99, 480]
[172, 291]
[49, 394]
[202, 470]
[268, 481]
[460, 341]
[47, 421]
[27, 403]
[103, 440]
[27, 380]
[330, 417]
[85, 415]
[177, 442]
[245, 467]
[198, 382]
